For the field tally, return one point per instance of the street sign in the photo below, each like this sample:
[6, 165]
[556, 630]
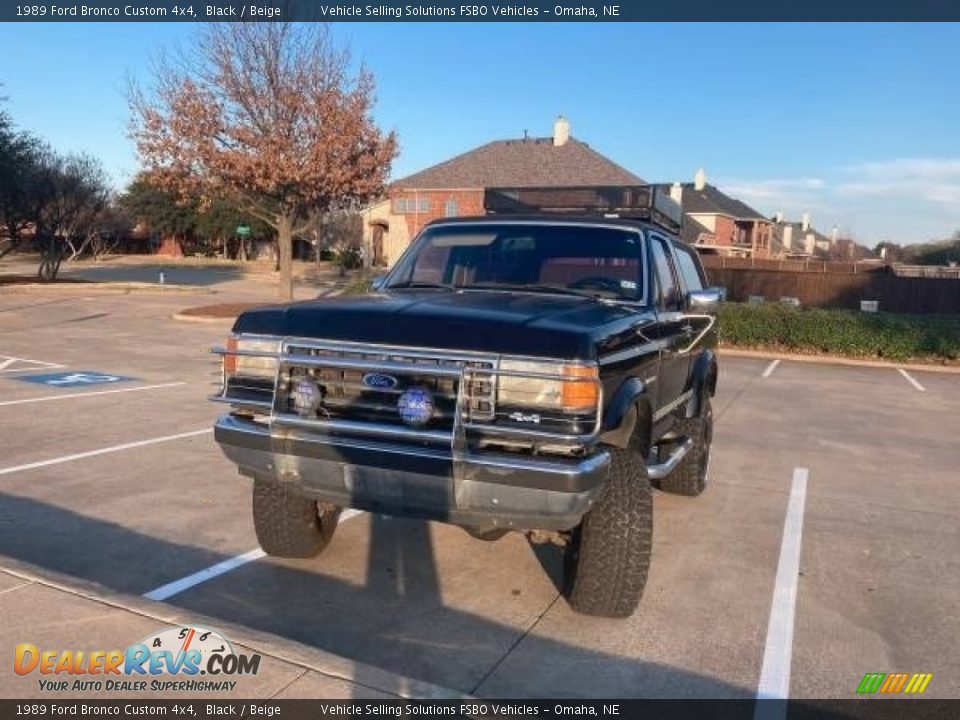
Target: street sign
[73, 379]
[243, 230]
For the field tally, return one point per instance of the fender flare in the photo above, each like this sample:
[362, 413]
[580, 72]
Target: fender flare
[703, 379]
[627, 416]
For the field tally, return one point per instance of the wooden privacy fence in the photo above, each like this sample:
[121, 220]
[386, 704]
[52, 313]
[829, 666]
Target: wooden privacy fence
[820, 266]
[833, 289]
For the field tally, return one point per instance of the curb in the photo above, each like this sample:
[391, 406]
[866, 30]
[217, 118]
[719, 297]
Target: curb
[108, 288]
[834, 360]
[267, 644]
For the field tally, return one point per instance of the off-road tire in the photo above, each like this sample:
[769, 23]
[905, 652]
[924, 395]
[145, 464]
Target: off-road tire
[288, 524]
[609, 552]
[690, 476]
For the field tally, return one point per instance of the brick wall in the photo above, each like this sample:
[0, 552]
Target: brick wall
[433, 204]
[725, 228]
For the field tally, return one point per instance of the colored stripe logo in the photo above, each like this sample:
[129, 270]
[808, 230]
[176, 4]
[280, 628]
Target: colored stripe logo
[894, 683]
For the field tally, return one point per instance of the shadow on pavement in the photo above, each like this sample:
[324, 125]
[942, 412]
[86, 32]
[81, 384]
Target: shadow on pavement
[393, 618]
[149, 272]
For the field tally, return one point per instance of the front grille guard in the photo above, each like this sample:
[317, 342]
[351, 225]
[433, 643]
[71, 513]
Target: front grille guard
[464, 428]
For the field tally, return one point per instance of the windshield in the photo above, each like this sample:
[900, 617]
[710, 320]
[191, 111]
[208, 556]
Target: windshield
[581, 260]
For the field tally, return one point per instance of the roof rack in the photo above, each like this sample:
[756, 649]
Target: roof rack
[637, 202]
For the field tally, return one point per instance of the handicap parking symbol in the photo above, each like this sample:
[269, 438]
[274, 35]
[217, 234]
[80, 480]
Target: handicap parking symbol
[73, 379]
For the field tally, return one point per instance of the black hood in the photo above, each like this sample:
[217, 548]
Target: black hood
[509, 323]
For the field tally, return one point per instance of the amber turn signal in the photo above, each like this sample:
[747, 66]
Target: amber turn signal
[581, 391]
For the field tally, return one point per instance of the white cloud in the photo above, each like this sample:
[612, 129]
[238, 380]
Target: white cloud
[903, 199]
[924, 179]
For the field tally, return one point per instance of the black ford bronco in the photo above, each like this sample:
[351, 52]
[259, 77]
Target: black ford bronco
[537, 369]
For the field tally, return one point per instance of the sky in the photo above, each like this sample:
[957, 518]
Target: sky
[855, 124]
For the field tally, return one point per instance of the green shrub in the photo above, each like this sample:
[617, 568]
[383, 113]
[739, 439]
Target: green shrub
[841, 332]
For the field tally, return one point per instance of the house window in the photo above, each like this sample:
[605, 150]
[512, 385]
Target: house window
[405, 205]
[451, 209]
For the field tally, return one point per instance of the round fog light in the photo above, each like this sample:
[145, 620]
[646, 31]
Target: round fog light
[306, 397]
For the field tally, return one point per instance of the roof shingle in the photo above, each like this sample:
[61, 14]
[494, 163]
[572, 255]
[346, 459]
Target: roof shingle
[530, 162]
[712, 201]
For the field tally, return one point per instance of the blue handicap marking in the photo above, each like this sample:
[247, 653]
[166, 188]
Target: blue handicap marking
[76, 378]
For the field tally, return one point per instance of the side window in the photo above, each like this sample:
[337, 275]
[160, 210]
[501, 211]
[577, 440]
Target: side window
[668, 296]
[689, 269]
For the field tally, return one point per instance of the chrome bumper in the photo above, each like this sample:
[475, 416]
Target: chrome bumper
[472, 489]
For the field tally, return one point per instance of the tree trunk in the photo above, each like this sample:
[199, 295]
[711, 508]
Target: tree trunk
[285, 255]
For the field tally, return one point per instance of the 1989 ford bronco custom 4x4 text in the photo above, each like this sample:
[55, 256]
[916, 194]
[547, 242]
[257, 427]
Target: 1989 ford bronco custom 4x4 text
[536, 369]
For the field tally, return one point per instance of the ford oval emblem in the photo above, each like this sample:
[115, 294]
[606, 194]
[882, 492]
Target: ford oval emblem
[379, 381]
[415, 406]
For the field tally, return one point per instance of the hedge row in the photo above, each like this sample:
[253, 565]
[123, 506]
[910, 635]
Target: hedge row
[841, 332]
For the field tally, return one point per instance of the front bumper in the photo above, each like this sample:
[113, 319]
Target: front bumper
[484, 490]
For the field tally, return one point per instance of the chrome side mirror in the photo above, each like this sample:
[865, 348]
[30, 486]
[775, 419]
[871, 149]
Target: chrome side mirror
[706, 301]
[378, 282]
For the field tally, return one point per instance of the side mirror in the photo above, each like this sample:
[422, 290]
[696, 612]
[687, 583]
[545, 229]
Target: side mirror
[706, 301]
[378, 282]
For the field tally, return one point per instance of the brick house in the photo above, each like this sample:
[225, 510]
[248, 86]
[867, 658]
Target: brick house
[799, 240]
[718, 224]
[456, 186]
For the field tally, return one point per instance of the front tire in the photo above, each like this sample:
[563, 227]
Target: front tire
[609, 553]
[690, 476]
[289, 525]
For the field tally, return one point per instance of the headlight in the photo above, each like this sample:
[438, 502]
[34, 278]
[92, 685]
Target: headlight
[251, 365]
[571, 388]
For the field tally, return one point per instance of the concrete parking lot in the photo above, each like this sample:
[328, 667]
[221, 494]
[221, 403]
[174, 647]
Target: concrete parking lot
[120, 484]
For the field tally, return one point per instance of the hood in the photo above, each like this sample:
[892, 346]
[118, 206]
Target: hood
[498, 322]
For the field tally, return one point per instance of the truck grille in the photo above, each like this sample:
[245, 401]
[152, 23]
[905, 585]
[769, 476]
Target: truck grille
[365, 385]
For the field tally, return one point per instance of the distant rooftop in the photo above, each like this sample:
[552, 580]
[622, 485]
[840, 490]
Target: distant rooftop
[711, 201]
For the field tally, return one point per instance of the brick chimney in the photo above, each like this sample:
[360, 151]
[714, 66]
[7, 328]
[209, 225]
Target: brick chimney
[561, 131]
[805, 222]
[700, 179]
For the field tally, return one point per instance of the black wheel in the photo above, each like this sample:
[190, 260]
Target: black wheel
[288, 524]
[690, 476]
[609, 552]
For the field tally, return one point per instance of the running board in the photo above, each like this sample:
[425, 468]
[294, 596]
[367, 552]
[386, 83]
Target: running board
[660, 470]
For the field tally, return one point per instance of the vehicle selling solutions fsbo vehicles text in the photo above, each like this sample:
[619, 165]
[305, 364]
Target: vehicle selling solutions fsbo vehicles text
[398, 11]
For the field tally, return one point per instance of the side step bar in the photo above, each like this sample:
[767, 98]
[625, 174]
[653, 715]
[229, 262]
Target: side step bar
[659, 471]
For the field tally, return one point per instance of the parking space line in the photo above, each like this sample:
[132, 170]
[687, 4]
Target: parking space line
[911, 380]
[178, 586]
[770, 368]
[10, 360]
[102, 451]
[777, 655]
[46, 398]
[221, 568]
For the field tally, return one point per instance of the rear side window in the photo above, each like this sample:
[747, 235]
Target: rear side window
[668, 296]
[689, 269]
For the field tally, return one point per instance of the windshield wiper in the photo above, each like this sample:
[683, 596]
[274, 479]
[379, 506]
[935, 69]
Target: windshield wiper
[540, 288]
[420, 285]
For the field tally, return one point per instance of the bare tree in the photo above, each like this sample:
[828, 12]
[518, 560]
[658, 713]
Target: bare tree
[269, 115]
[71, 193]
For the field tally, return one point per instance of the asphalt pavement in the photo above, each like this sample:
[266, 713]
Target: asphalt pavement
[826, 545]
